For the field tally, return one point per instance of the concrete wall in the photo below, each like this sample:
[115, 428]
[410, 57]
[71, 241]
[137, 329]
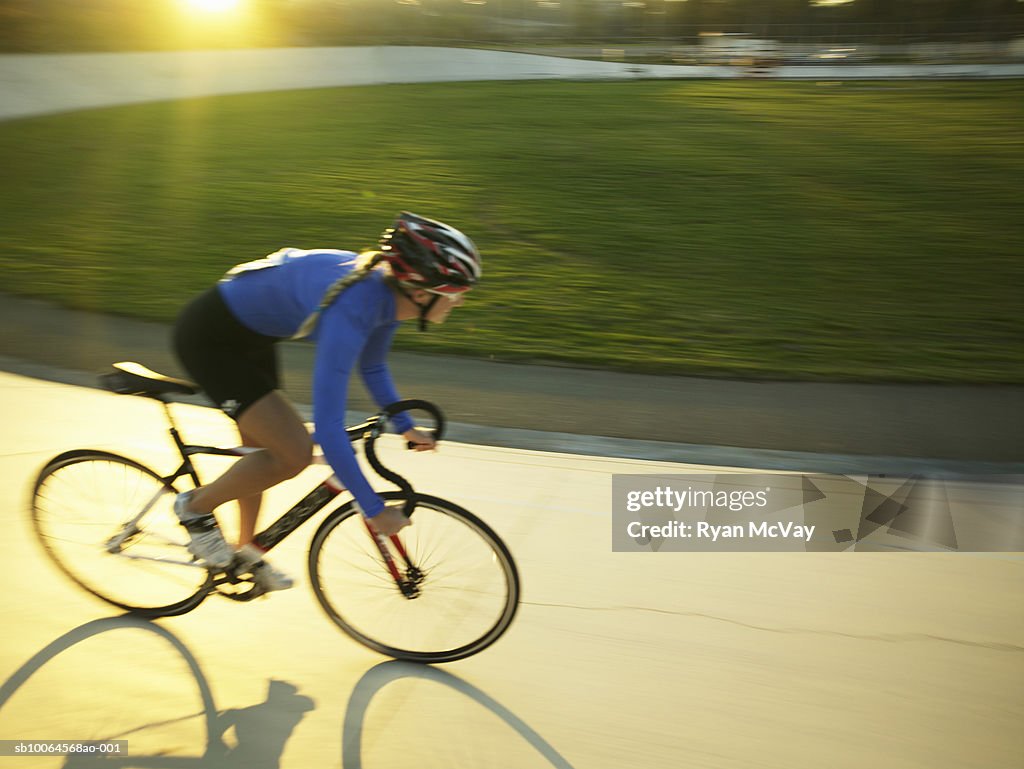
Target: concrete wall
[37, 84]
[33, 84]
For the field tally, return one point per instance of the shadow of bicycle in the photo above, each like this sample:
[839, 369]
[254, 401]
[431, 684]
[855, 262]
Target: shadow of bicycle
[380, 676]
[259, 733]
[253, 737]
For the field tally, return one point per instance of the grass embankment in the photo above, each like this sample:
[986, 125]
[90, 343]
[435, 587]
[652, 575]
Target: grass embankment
[856, 231]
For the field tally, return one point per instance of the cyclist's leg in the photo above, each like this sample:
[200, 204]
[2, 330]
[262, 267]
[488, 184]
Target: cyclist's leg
[274, 424]
[271, 424]
[249, 506]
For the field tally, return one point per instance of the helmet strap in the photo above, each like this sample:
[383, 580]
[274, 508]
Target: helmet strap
[424, 308]
[425, 311]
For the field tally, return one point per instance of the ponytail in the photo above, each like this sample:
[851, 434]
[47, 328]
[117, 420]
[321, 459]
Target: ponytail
[362, 271]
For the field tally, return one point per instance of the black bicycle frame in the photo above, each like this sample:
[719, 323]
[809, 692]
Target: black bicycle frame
[326, 491]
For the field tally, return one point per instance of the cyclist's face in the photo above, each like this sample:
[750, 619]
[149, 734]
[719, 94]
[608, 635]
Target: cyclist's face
[443, 306]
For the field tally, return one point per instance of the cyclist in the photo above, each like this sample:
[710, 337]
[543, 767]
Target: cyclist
[348, 304]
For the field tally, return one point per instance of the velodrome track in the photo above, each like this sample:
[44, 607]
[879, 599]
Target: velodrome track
[616, 659]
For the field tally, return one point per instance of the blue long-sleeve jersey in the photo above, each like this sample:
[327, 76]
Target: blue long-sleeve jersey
[273, 296]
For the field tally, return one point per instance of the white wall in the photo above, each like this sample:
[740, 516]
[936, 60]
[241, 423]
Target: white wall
[33, 84]
[36, 84]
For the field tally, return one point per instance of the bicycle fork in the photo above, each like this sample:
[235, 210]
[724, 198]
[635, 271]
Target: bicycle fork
[410, 583]
[312, 504]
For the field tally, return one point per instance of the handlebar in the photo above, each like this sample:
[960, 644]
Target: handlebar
[373, 428]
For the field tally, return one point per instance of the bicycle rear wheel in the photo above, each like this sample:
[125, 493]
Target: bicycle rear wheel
[108, 523]
[462, 583]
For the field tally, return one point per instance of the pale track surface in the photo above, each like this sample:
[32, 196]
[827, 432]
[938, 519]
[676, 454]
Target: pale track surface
[639, 660]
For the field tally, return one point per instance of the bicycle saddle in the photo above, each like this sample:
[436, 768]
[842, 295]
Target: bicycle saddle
[135, 379]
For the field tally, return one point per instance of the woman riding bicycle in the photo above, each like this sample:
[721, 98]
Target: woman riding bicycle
[350, 306]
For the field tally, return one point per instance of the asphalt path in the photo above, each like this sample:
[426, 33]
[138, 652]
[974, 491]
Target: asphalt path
[718, 661]
[778, 425]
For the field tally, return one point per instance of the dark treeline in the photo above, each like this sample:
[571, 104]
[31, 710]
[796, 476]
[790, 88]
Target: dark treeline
[108, 25]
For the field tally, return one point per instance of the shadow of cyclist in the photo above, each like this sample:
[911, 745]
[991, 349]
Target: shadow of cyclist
[261, 731]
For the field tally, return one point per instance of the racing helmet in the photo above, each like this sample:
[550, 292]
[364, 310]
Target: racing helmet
[425, 253]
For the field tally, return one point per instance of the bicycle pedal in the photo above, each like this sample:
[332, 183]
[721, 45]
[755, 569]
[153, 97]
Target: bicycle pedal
[234, 588]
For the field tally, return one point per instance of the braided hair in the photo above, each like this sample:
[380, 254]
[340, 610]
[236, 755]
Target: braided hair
[367, 262]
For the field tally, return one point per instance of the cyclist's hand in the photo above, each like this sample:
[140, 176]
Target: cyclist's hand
[390, 520]
[420, 440]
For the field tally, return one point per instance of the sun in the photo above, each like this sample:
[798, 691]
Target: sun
[212, 6]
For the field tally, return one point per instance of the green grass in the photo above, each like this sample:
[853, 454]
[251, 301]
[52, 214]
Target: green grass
[752, 229]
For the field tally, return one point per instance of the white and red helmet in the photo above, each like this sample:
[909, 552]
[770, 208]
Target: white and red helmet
[429, 254]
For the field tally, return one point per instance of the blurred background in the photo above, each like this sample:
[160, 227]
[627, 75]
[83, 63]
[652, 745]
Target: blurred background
[656, 30]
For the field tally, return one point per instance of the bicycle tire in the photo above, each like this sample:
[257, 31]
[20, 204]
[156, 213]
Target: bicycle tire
[445, 622]
[82, 499]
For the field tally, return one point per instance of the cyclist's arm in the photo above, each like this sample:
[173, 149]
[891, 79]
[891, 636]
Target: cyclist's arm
[373, 367]
[338, 348]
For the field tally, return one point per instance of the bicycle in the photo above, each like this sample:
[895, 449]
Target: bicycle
[439, 591]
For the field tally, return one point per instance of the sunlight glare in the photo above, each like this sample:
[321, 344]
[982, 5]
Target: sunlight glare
[212, 6]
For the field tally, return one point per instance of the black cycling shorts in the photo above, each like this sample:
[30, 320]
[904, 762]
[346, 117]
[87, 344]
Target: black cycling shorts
[233, 364]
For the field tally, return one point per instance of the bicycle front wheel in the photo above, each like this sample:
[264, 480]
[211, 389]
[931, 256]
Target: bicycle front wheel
[108, 523]
[459, 586]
